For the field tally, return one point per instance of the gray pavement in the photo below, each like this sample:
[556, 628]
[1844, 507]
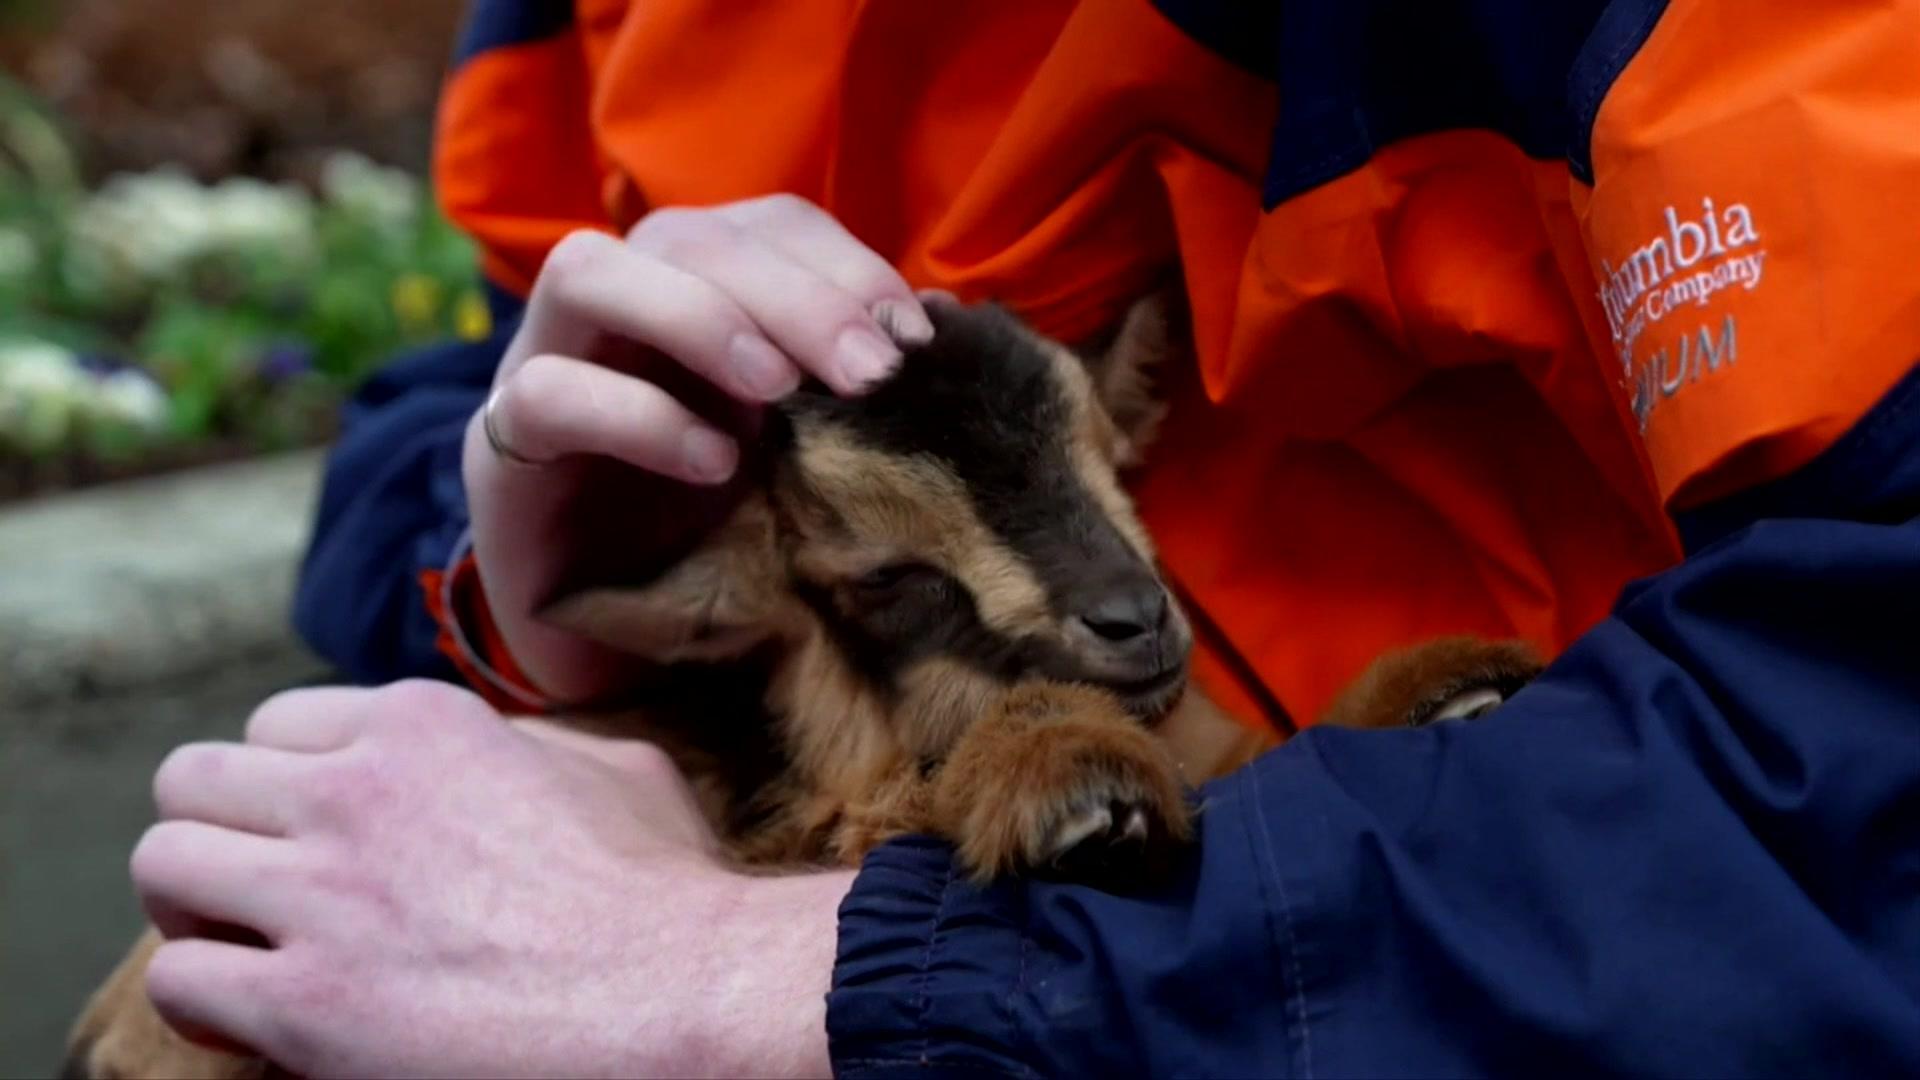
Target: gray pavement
[132, 619]
[73, 799]
[118, 587]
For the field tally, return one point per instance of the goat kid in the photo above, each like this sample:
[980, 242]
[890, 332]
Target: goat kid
[936, 612]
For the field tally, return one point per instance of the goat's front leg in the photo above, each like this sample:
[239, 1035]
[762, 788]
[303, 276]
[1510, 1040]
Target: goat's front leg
[1059, 779]
[1450, 678]
[120, 1036]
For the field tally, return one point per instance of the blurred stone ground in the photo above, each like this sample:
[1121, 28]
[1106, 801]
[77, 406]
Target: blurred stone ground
[72, 802]
[132, 618]
[117, 588]
[139, 616]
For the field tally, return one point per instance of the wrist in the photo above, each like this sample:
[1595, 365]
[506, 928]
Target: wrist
[762, 999]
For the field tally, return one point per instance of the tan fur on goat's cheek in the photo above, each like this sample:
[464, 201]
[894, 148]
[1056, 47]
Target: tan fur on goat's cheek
[1008, 596]
[881, 499]
[836, 724]
[716, 603]
[886, 507]
[938, 699]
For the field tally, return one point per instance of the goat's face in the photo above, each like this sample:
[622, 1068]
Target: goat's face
[962, 527]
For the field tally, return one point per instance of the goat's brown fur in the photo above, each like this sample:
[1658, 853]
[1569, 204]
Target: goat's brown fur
[121, 1037]
[1025, 770]
[1048, 758]
[1411, 687]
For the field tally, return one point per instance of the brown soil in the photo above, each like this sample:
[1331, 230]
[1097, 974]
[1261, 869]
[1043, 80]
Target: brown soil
[254, 86]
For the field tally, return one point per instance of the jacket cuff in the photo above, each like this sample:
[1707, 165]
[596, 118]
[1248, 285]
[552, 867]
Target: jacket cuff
[469, 638]
[928, 965]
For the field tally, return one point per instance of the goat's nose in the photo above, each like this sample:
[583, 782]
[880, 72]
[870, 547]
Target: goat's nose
[1127, 612]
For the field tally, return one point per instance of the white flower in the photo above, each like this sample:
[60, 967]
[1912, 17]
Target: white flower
[143, 227]
[140, 227]
[385, 196]
[47, 397]
[128, 397]
[32, 362]
[248, 215]
[42, 391]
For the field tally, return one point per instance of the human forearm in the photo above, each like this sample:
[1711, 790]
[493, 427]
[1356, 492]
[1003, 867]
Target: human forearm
[1680, 851]
[766, 967]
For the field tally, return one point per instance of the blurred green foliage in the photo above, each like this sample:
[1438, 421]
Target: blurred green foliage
[251, 308]
[26, 13]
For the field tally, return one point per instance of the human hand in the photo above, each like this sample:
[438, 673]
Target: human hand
[440, 892]
[639, 369]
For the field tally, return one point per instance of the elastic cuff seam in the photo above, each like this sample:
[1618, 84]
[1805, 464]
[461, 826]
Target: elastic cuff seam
[456, 627]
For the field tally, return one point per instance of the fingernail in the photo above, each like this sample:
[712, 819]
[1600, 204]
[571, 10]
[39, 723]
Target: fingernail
[864, 358]
[709, 456]
[761, 369]
[905, 322]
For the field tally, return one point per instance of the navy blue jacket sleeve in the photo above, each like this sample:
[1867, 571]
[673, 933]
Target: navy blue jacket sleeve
[391, 506]
[1691, 848]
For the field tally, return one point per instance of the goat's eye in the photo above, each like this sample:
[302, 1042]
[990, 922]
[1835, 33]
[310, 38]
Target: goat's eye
[887, 578]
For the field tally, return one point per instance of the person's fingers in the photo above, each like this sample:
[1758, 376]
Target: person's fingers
[190, 873]
[593, 281]
[230, 785]
[817, 240]
[555, 406]
[212, 992]
[312, 720]
[826, 330]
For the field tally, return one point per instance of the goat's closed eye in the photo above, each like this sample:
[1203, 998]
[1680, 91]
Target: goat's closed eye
[890, 577]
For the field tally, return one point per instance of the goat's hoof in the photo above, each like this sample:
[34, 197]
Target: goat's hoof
[1103, 839]
[1454, 678]
[1065, 785]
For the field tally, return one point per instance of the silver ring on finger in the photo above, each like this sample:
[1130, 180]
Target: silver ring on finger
[490, 424]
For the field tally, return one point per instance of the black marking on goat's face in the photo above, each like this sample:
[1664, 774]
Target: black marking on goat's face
[966, 512]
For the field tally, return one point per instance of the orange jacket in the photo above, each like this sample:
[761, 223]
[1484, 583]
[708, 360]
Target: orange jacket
[1464, 338]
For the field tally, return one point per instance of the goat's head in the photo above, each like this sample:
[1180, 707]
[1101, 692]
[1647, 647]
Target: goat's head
[957, 529]
[967, 513]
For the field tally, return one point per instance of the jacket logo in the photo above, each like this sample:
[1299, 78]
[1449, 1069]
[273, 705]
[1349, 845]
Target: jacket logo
[1687, 265]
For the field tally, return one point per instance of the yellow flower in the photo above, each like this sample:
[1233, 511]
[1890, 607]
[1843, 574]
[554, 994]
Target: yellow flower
[471, 319]
[415, 299]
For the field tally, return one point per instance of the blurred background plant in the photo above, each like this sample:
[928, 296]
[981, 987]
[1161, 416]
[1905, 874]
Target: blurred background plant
[212, 226]
[202, 296]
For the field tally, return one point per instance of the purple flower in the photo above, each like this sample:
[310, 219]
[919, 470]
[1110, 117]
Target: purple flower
[101, 365]
[285, 361]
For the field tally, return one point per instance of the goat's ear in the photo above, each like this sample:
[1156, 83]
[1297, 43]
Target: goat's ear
[717, 603]
[1153, 336]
